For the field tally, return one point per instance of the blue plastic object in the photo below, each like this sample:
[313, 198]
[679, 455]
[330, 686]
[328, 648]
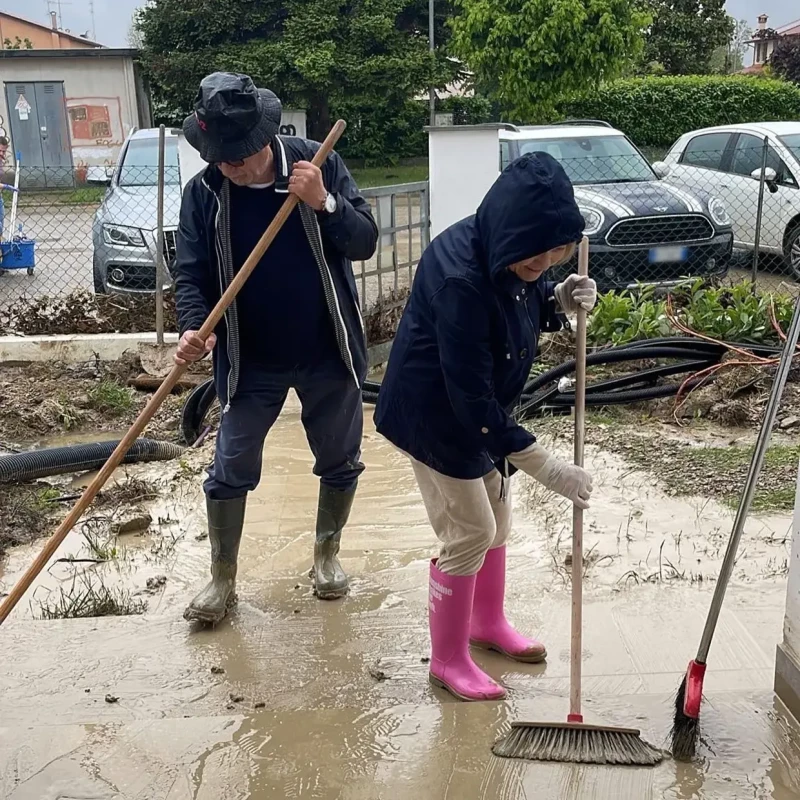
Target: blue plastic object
[18, 254]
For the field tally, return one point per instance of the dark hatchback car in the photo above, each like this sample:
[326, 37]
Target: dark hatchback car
[641, 230]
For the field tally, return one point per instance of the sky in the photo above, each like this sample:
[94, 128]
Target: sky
[112, 17]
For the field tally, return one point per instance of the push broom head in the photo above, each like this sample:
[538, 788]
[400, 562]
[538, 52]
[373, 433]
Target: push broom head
[576, 743]
[686, 722]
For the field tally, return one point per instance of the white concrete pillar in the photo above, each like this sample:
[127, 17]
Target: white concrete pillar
[464, 161]
[787, 661]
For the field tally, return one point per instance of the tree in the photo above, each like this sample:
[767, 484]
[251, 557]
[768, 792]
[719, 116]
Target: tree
[527, 53]
[785, 58]
[729, 58]
[315, 54]
[685, 34]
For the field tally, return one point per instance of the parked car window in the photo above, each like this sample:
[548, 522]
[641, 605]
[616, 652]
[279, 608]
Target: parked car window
[505, 155]
[706, 150]
[595, 159]
[793, 143]
[140, 164]
[748, 155]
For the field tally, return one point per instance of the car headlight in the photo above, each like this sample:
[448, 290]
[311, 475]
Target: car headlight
[718, 212]
[123, 235]
[594, 220]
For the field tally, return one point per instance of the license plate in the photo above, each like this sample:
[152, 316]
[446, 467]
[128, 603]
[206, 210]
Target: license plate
[660, 255]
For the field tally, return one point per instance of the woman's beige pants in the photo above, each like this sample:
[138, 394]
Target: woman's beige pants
[468, 516]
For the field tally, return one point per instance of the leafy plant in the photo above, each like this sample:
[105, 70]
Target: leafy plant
[729, 313]
[619, 318]
[527, 53]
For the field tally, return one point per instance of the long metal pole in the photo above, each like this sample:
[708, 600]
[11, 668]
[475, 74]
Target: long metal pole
[160, 239]
[756, 462]
[760, 209]
[431, 46]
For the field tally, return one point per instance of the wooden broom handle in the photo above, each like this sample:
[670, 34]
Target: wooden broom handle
[115, 459]
[577, 513]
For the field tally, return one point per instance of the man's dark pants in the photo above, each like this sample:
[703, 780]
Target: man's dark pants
[332, 416]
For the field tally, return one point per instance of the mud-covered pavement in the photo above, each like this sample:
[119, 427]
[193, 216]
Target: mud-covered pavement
[295, 698]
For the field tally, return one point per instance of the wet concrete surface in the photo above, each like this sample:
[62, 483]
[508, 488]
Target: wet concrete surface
[295, 698]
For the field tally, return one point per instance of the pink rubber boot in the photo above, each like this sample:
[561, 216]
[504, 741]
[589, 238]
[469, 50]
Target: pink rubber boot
[489, 628]
[452, 667]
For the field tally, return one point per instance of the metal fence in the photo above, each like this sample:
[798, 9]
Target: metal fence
[89, 238]
[727, 213]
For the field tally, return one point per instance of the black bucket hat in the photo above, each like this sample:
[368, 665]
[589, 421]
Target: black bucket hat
[232, 119]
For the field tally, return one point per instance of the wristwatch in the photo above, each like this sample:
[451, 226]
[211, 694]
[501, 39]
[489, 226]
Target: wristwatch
[330, 204]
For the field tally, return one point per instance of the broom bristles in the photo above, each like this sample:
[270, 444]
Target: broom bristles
[684, 728]
[577, 744]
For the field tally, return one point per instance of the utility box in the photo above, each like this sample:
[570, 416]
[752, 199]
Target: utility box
[464, 161]
[787, 660]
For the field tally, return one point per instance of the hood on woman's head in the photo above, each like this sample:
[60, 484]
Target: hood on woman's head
[529, 210]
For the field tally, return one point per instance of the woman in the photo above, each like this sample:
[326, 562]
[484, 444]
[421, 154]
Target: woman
[463, 351]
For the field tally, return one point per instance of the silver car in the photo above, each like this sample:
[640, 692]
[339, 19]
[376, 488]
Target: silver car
[124, 227]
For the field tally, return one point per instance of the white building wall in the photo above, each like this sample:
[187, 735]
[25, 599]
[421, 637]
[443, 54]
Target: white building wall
[100, 97]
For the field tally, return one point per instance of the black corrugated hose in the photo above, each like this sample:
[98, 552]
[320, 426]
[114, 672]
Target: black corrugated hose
[541, 394]
[80, 458]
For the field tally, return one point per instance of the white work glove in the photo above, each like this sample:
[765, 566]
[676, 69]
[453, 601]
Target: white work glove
[572, 482]
[576, 291]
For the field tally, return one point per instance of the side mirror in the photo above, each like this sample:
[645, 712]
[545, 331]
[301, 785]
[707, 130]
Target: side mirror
[661, 169]
[770, 176]
[99, 175]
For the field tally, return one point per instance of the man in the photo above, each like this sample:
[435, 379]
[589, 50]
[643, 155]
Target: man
[295, 324]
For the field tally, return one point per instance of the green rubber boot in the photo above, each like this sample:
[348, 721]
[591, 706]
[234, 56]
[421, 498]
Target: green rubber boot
[225, 522]
[330, 580]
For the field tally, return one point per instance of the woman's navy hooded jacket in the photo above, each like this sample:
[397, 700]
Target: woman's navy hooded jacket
[469, 333]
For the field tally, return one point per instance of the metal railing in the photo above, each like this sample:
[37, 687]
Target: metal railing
[402, 215]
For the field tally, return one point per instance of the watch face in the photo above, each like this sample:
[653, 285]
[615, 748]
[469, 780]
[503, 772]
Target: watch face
[330, 204]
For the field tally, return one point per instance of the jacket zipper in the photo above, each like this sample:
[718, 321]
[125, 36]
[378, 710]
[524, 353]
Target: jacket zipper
[218, 249]
[332, 300]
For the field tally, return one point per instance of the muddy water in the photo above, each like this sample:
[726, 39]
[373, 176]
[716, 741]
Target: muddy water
[347, 711]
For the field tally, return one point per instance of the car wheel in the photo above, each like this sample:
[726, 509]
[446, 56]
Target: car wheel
[791, 251]
[99, 281]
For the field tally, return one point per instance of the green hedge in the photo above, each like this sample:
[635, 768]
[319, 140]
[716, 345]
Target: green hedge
[655, 111]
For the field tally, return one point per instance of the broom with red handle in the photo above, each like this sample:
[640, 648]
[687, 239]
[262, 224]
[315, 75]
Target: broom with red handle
[207, 328]
[685, 724]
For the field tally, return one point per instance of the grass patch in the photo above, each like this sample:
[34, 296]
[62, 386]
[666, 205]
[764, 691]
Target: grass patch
[717, 472]
[80, 196]
[685, 469]
[369, 177]
[110, 397]
[88, 596]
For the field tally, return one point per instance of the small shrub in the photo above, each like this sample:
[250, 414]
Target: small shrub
[728, 313]
[108, 396]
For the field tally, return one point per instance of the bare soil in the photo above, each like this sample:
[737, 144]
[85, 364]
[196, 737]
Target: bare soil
[43, 402]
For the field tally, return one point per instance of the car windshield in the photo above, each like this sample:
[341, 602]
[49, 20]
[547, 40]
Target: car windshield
[140, 167]
[793, 143]
[594, 159]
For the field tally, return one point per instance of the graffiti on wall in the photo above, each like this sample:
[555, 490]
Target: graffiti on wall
[96, 130]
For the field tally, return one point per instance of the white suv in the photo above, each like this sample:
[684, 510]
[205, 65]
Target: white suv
[727, 161]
